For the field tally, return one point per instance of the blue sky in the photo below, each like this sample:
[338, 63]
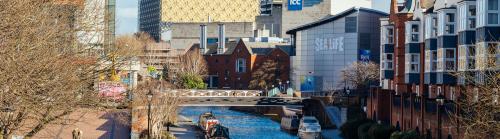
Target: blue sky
[126, 14]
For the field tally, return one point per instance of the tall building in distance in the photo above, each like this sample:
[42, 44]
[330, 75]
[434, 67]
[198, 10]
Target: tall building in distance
[178, 21]
[325, 47]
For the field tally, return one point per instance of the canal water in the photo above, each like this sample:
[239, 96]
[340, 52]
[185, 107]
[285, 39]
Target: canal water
[241, 125]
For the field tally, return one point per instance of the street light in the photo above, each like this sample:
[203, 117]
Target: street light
[150, 97]
[440, 100]
[348, 91]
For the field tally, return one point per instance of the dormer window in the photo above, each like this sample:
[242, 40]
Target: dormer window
[412, 32]
[446, 22]
[387, 35]
[430, 26]
[466, 16]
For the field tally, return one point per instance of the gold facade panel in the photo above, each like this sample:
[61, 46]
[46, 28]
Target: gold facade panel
[182, 11]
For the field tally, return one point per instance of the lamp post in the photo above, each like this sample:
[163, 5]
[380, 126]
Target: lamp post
[348, 91]
[150, 97]
[440, 100]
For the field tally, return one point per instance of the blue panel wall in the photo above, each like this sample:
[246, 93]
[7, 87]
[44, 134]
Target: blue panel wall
[485, 34]
[430, 78]
[445, 78]
[466, 37]
[388, 48]
[412, 78]
[387, 74]
[431, 44]
[412, 48]
[447, 42]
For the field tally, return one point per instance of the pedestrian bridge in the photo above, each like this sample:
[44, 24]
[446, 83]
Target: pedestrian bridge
[232, 98]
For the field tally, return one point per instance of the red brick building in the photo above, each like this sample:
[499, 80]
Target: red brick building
[232, 67]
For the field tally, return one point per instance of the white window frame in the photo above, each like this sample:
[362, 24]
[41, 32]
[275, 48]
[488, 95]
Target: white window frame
[415, 62]
[427, 61]
[444, 23]
[417, 88]
[241, 63]
[465, 17]
[386, 62]
[410, 32]
[387, 37]
[430, 26]
[442, 60]
[488, 11]
[452, 93]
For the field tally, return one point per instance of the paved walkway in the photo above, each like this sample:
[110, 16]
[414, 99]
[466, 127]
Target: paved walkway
[95, 124]
[186, 129]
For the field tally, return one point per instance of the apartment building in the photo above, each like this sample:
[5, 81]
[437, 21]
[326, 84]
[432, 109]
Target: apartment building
[424, 45]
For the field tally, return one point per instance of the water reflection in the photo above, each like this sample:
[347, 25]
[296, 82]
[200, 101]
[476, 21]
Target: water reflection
[241, 125]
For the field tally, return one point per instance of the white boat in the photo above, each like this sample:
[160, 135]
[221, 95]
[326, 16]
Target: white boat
[290, 123]
[309, 128]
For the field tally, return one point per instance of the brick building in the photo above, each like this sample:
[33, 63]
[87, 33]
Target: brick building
[230, 65]
[424, 43]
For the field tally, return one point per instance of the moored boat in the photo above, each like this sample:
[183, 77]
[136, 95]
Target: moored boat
[218, 132]
[290, 123]
[206, 121]
[309, 128]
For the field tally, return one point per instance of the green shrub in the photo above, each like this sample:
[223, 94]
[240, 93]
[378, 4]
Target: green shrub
[396, 135]
[405, 135]
[379, 131]
[363, 130]
[191, 81]
[349, 130]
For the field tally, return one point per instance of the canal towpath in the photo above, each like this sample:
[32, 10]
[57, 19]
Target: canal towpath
[186, 129]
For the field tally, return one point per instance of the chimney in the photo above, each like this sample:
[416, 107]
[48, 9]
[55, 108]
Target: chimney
[203, 38]
[221, 48]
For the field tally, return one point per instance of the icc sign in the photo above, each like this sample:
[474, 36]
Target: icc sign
[294, 5]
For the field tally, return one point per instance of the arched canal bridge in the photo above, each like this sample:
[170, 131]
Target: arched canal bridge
[232, 98]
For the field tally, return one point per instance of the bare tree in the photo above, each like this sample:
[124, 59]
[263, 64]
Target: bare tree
[192, 67]
[478, 105]
[360, 74]
[164, 104]
[264, 76]
[50, 55]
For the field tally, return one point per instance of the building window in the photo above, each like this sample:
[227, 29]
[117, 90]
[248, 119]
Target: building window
[427, 60]
[417, 90]
[429, 92]
[431, 26]
[412, 63]
[241, 65]
[446, 60]
[414, 34]
[412, 31]
[434, 61]
[492, 4]
[387, 61]
[450, 59]
[492, 12]
[446, 23]
[390, 35]
[466, 58]
[452, 93]
[351, 24]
